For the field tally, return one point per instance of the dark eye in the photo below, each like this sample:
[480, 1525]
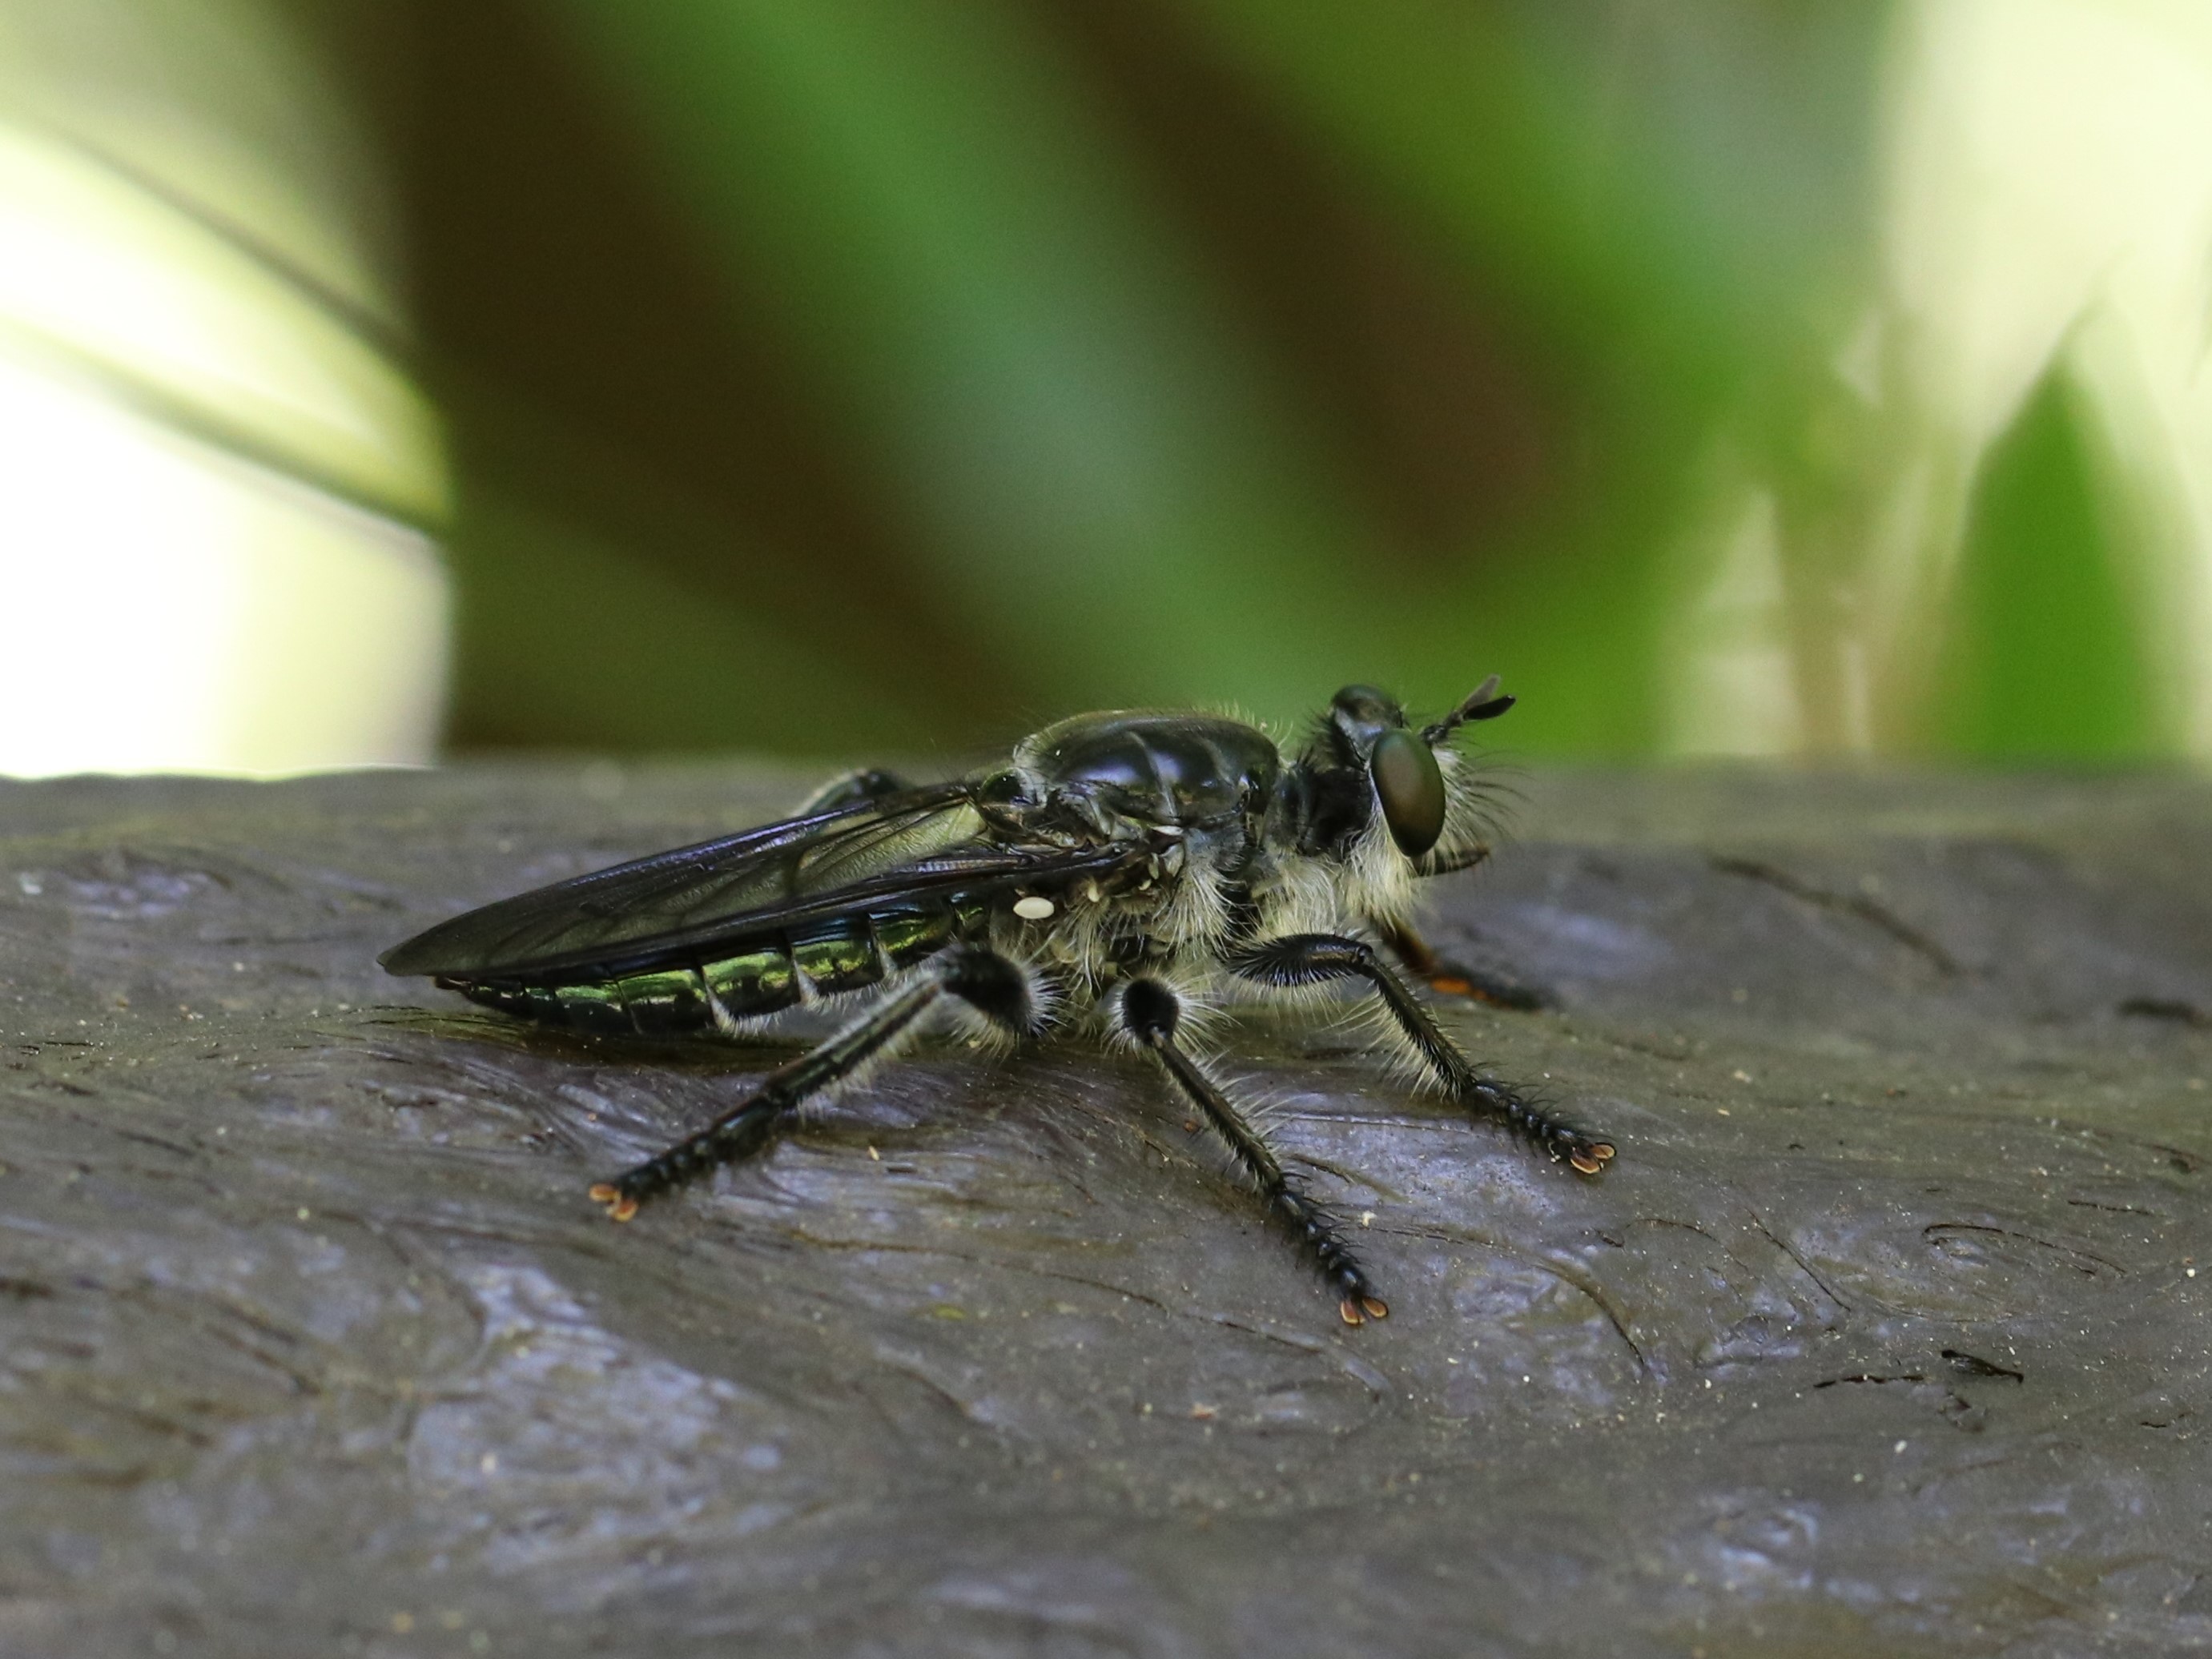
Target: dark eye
[1411, 791]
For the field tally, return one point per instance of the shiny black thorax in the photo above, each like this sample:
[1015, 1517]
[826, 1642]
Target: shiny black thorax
[1219, 783]
[1120, 776]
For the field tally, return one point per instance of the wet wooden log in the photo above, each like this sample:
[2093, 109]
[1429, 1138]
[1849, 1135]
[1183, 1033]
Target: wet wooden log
[1885, 1332]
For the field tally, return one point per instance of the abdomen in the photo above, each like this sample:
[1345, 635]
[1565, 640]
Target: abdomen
[747, 980]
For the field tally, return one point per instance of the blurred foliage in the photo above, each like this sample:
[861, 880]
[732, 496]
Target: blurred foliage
[2063, 673]
[860, 374]
[951, 367]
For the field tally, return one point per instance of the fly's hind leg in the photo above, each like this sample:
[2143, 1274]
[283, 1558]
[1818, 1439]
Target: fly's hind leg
[993, 986]
[1149, 1012]
[1312, 958]
[1455, 978]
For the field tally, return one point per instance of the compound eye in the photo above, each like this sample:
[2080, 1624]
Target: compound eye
[1411, 791]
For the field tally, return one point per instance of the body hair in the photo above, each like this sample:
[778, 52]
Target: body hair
[1201, 1018]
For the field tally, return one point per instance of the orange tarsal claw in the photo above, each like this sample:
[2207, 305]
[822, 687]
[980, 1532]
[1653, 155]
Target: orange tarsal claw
[1452, 985]
[1359, 1309]
[620, 1206]
[1591, 1159]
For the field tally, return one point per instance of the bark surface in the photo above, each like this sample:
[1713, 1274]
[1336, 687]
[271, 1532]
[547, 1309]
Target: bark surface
[1885, 1332]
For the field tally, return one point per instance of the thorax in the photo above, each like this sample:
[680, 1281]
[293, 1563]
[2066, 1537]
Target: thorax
[1132, 770]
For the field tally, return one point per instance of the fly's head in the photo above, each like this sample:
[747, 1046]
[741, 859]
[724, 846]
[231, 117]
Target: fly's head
[1384, 799]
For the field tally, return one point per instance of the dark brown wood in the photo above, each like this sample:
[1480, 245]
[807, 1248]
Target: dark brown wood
[1885, 1332]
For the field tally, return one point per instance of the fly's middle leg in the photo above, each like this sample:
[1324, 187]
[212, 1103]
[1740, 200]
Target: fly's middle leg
[994, 986]
[1150, 1011]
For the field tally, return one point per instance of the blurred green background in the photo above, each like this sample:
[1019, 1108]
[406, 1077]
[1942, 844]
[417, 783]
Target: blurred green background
[1734, 377]
[862, 373]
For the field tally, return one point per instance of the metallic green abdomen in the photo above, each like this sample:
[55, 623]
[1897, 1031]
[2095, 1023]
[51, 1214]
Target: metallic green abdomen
[757, 977]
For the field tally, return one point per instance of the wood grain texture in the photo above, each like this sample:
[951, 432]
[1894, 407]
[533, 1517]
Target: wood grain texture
[1882, 1335]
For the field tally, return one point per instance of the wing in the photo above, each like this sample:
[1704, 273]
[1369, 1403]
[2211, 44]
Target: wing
[916, 843]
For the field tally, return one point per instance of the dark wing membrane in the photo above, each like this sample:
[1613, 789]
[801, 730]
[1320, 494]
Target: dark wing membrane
[912, 845]
[615, 913]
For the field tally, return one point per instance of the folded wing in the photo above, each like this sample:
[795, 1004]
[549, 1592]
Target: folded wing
[916, 843]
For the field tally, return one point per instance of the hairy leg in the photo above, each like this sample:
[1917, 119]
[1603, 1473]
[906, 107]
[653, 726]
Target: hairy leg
[994, 986]
[1313, 958]
[1456, 979]
[1453, 978]
[1467, 858]
[1150, 1011]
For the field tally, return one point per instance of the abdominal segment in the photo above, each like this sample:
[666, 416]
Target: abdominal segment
[745, 979]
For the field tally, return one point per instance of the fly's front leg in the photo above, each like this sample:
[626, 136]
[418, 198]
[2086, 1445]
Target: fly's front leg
[994, 986]
[1150, 1011]
[1314, 958]
[1452, 978]
[1449, 863]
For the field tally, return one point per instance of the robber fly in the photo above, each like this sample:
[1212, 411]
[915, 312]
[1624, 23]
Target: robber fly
[1121, 870]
